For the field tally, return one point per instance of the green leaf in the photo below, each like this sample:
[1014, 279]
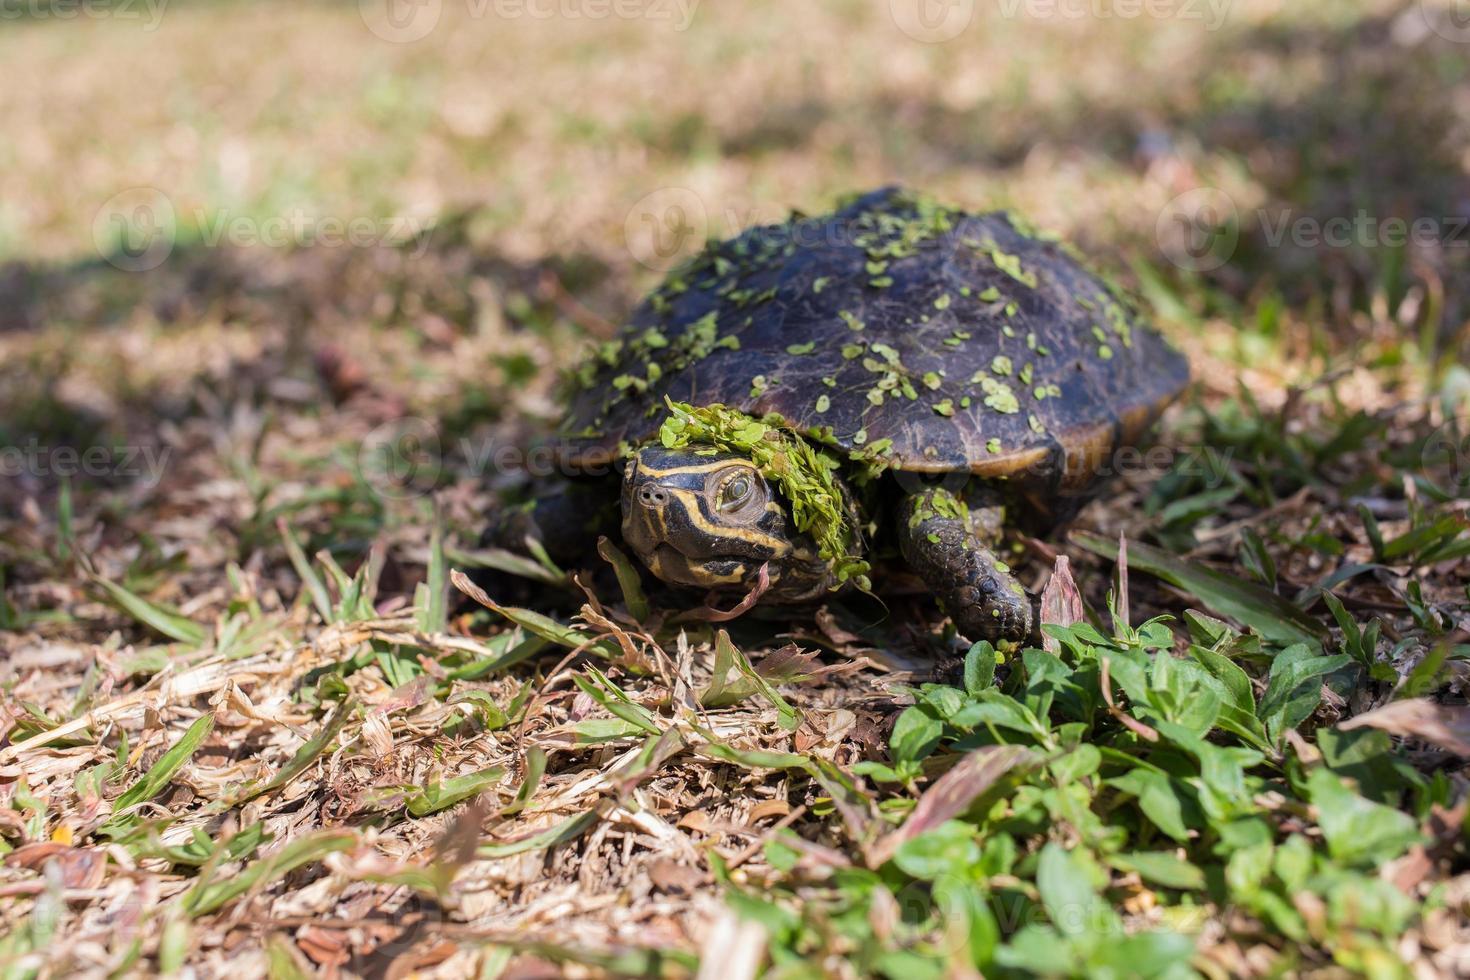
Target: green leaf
[1425, 676]
[915, 734]
[1294, 689]
[537, 623]
[432, 595]
[721, 692]
[283, 962]
[1366, 756]
[524, 650]
[65, 524]
[947, 849]
[594, 731]
[1257, 559]
[1236, 682]
[1426, 540]
[508, 562]
[1077, 764]
[980, 666]
[1065, 881]
[1039, 951]
[1370, 528]
[1160, 799]
[1358, 831]
[1146, 954]
[995, 708]
[1293, 862]
[1162, 868]
[612, 697]
[715, 748]
[1238, 710]
[490, 713]
[174, 943]
[1259, 608]
[1247, 870]
[786, 716]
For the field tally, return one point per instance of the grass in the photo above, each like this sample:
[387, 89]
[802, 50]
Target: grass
[255, 721]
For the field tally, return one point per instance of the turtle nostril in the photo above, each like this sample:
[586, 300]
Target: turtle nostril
[652, 496]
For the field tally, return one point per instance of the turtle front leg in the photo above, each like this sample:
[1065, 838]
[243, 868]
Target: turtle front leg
[949, 545]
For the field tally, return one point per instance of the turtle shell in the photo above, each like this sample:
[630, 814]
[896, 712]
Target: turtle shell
[899, 330]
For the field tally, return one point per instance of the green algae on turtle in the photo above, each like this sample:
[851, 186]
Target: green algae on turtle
[996, 325]
[806, 475]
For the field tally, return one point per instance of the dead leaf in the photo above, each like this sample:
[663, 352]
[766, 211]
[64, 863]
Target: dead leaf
[377, 735]
[788, 665]
[1061, 603]
[324, 947]
[767, 808]
[733, 949]
[697, 820]
[827, 623]
[709, 614]
[1447, 726]
[81, 867]
[674, 878]
[1407, 872]
[952, 794]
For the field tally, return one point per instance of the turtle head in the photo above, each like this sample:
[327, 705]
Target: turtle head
[708, 521]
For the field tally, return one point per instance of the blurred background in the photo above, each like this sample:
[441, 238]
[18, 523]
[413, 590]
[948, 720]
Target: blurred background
[422, 207]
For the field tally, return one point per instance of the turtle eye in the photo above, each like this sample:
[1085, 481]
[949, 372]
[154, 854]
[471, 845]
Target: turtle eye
[736, 491]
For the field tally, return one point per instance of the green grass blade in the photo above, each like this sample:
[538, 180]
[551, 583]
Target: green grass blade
[433, 612]
[1259, 608]
[535, 769]
[611, 697]
[569, 829]
[628, 579]
[320, 598]
[445, 794]
[156, 778]
[505, 561]
[171, 624]
[209, 894]
[308, 753]
[537, 623]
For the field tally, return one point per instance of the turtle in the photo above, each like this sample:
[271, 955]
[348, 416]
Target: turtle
[805, 395]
